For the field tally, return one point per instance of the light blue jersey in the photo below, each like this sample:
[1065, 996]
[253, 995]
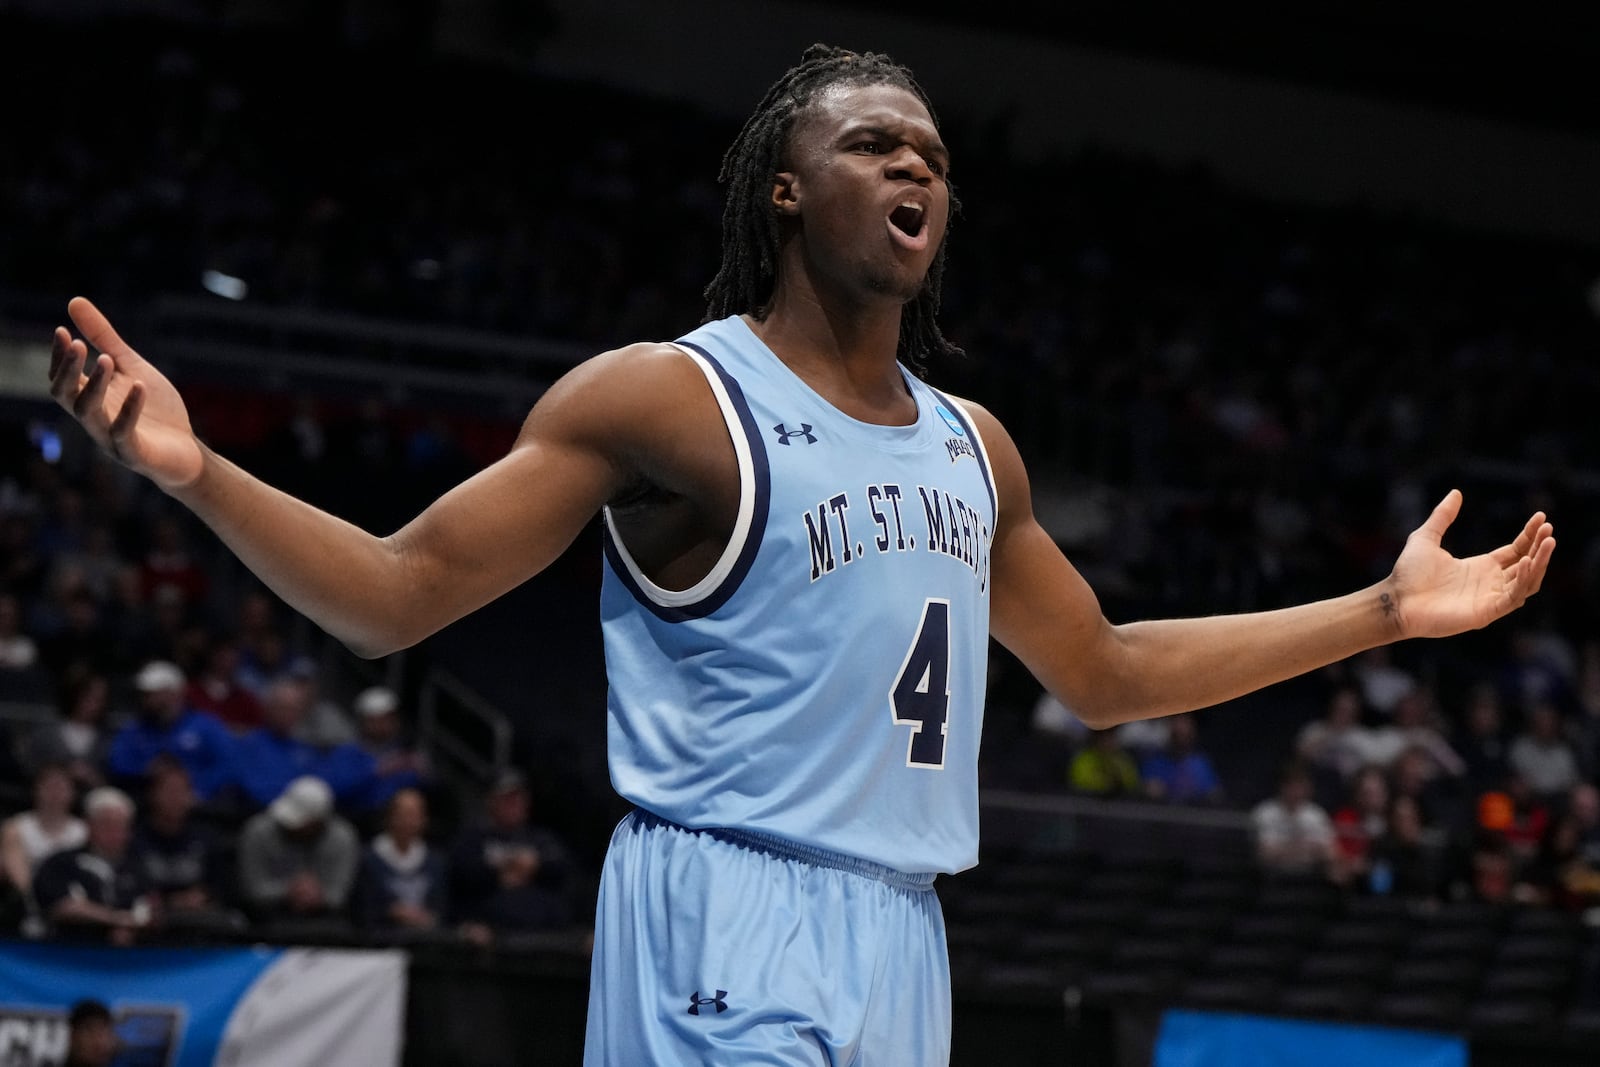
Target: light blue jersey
[824, 684]
[800, 734]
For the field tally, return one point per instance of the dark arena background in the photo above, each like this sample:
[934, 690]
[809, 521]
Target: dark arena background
[1251, 292]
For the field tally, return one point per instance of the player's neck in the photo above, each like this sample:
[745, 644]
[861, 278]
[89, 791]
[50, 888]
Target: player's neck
[848, 354]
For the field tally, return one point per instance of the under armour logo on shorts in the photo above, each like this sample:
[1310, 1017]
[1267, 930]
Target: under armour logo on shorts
[696, 1002]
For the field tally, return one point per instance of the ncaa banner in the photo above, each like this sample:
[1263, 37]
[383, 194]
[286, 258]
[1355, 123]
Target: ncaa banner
[235, 1007]
[1216, 1039]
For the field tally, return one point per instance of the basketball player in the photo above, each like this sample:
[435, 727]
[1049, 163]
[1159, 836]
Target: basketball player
[806, 549]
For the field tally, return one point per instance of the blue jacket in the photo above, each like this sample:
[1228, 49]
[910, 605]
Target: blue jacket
[202, 744]
[268, 762]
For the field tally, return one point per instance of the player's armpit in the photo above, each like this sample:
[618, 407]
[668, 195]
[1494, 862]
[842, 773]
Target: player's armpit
[1048, 617]
[608, 423]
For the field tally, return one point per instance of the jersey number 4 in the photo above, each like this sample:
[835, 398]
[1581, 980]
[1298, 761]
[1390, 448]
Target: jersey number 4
[920, 698]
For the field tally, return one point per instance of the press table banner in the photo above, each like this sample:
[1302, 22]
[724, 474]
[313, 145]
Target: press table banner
[233, 1007]
[1214, 1039]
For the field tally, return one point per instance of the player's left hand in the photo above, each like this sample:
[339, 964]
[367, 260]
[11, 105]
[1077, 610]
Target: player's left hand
[1433, 594]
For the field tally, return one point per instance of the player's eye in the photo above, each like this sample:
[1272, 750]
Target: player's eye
[872, 147]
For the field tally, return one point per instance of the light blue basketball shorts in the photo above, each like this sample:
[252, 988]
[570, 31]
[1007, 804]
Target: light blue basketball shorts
[722, 948]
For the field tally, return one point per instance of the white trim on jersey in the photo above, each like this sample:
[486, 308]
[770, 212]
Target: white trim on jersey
[675, 598]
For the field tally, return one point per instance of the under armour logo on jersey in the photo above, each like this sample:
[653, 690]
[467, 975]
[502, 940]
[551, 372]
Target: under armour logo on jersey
[696, 1002]
[784, 433]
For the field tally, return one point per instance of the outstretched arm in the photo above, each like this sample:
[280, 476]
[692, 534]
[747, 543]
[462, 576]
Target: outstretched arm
[1045, 613]
[378, 594]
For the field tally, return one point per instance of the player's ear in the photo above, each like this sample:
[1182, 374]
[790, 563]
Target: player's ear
[786, 193]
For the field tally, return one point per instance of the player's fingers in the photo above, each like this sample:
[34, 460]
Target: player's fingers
[94, 326]
[122, 426]
[1539, 565]
[94, 390]
[67, 377]
[60, 342]
[1526, 542]
[1443, 515]
[1529, 537]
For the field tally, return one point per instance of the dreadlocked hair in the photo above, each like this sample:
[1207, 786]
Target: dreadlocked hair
[745, 280]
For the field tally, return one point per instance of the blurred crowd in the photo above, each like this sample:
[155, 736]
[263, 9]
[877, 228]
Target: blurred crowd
[218, 791]
[1226, 404]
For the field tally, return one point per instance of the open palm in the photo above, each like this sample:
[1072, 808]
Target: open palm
[1436, 595]
[127, 406]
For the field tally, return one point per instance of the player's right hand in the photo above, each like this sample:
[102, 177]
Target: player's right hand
[128, 407]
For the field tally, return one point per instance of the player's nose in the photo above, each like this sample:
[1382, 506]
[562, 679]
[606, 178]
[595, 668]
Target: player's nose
[906, 164]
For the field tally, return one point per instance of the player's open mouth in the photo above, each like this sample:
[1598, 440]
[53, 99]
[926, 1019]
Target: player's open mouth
[908, 225]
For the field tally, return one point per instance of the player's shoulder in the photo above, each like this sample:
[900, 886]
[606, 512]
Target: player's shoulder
[645, 375]
[624, 402]
[996, 440]
[642, 365]
[983, 419]
[1005, 462]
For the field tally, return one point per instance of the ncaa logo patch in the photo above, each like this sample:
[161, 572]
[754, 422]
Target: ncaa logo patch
[950, 420]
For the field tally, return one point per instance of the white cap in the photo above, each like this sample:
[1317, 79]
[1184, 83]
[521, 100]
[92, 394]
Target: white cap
[303, 801]
[158, 675]
[379, 700]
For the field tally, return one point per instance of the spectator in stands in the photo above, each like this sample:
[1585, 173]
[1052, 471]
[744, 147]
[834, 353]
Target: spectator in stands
[96, 564]
[1103, 768]
[1294, 836]
[1181, 773]
[165, 726]
[273, 756]
[403, 878]
[260, 639]
[1491, 871]
[396, 764]
[1337, 742]
[1516, 815]
[298, 859]
[29, 838]
[64, 529]
[1399, 863]
[168, 564]
[22, 566]
[508, 874]
[1482, 743]
[78, 739]
[1562, 874]
[1584, 727]
[325, 725]
[216, 691]
[1542, 756]
[1037, 758]
[1414, 775]
[1583, 804]
[91, 1035]
[267, 658]
[1531, 676]
[95, 892]
[76, 633]
[1362, 820]
[1382, 683]
[18, 651]
[1416, 721]
[163, 627]
[179, 860]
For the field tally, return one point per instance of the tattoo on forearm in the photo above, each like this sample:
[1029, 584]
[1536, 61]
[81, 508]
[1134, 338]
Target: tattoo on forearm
[1388, 602]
